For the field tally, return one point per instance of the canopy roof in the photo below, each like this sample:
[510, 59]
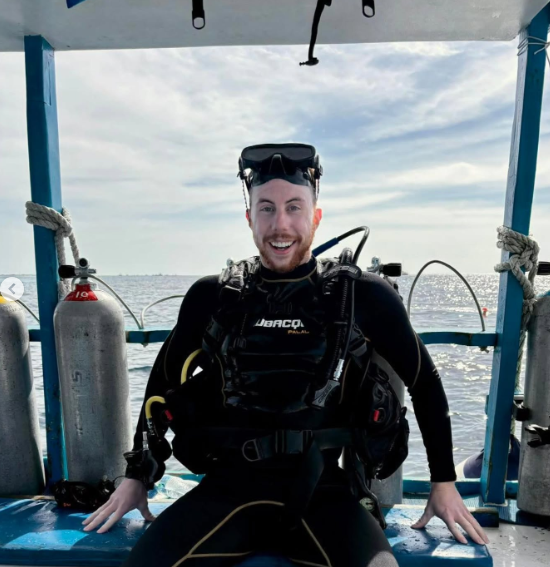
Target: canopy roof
[129, 24]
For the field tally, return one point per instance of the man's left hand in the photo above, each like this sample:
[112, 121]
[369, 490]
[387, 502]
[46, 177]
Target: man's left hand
[446, 503]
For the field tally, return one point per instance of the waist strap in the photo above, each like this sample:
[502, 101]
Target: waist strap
[261, 444]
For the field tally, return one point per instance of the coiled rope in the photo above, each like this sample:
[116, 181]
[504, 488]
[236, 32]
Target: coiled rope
[524, 253]
[46, 217]
[532, 40]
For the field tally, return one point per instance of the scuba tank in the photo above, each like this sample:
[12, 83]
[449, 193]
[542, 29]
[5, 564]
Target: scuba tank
[388, 490]
[95, 394]
[534, 465]
[21, 468]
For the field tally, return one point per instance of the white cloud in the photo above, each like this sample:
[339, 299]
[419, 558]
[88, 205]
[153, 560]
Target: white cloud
[150, 139]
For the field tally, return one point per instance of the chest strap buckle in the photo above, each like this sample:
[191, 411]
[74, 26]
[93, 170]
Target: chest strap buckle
[281, 442]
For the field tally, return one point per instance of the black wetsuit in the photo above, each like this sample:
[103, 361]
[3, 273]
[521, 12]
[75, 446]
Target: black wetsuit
[234, 510]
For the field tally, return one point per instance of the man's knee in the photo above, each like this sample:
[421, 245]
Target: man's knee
[383, 559]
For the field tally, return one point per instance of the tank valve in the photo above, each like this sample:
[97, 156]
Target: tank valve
[392, 269]
[542, 435]
[83, 270]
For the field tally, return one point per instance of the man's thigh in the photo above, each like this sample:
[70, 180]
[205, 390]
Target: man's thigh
[210, 526]
[337, 531]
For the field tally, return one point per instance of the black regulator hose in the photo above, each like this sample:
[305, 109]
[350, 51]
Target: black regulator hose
[341, 342]
[351, 285]
[351, 321]
[334, 241]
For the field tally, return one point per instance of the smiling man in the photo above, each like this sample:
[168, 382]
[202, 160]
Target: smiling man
[283, 231]
[284, 340]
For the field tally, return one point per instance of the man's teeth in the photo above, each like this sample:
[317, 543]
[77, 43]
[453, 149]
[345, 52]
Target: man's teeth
[281, 245]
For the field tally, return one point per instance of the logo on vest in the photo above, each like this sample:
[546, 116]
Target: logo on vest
[294, 326]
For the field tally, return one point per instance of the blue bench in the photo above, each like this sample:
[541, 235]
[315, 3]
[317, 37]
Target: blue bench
[37, 532]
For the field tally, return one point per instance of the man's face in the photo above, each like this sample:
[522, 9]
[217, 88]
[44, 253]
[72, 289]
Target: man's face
[282, 213]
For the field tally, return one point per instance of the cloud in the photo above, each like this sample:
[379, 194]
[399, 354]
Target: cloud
[414, 139]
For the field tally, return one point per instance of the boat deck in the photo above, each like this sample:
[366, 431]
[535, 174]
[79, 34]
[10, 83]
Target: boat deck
[512, 542]
[36, 532]
[510, 546]
[519, 546]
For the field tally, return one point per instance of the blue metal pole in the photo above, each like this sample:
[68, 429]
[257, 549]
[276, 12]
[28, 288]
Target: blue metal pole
[46, 190]
[517, 215]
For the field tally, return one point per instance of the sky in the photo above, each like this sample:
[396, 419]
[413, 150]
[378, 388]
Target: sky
[414, 139]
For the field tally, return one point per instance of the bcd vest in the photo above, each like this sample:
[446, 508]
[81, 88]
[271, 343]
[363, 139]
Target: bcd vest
[273, 340]
[267, 358]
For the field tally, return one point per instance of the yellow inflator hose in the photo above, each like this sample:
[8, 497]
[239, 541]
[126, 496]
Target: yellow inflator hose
[159, 399]
[187, 364]
[150, 402]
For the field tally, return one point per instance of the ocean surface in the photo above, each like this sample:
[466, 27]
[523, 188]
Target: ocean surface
[439, 301]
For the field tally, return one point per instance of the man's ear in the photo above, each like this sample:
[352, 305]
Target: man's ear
[317, 216]
[247, 215]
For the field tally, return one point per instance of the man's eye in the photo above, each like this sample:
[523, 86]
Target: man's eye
[267, 209]
[294, 208]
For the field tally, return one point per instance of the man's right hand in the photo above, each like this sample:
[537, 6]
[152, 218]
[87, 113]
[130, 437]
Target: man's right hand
[129, 495]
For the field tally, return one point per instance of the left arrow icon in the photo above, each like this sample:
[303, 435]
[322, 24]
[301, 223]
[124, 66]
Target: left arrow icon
[12, 289]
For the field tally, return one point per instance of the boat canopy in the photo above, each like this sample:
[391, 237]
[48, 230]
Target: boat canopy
[137, 24]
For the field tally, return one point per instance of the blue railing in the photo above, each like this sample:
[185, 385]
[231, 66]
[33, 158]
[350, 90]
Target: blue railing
[429, 337]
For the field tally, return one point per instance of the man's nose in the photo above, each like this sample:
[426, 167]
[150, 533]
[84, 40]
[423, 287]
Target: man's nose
[281, 221]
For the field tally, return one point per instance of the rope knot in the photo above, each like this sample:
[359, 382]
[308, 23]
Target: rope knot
[524, 253]
[536, 41]
[46, 217]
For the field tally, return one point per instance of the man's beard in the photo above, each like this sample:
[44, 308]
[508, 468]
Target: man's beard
[301, 250]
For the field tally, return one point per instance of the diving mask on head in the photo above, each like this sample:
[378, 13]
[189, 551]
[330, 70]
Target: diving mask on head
[291, 162]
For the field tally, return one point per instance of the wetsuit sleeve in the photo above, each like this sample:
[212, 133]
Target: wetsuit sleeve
[195, 312]
[384, 321]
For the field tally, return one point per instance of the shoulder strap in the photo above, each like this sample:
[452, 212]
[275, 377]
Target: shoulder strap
[237, 279]
[234, 283]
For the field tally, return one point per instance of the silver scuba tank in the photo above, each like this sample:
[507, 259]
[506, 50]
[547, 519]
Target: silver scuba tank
[21, 465]
[95, 394]
[534, 464]
[389, 491]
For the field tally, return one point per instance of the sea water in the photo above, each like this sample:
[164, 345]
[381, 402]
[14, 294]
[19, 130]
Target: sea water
[439, 301]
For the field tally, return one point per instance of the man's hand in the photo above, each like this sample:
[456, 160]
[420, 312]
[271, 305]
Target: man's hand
[446, 503]
[129, 495]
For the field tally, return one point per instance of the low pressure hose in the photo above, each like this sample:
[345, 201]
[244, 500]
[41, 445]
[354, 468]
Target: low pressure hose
[113, 292]
[187, 364]
[334, 241]
[152, 400]
[458, 274]
[151, 439]
[144, 310]
[28, 309]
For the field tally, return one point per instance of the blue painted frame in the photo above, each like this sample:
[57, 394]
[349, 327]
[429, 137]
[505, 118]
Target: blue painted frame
[46, 189]
[45, 177]
[517, 215]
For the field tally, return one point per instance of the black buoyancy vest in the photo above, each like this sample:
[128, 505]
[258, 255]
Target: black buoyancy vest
[272, 338]
[269, 346]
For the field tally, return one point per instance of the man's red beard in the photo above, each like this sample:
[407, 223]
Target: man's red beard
[294, 259]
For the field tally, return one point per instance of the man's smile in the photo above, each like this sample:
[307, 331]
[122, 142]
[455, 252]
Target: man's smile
[281, 247]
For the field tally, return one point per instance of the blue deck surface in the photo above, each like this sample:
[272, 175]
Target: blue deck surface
[37, 532]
